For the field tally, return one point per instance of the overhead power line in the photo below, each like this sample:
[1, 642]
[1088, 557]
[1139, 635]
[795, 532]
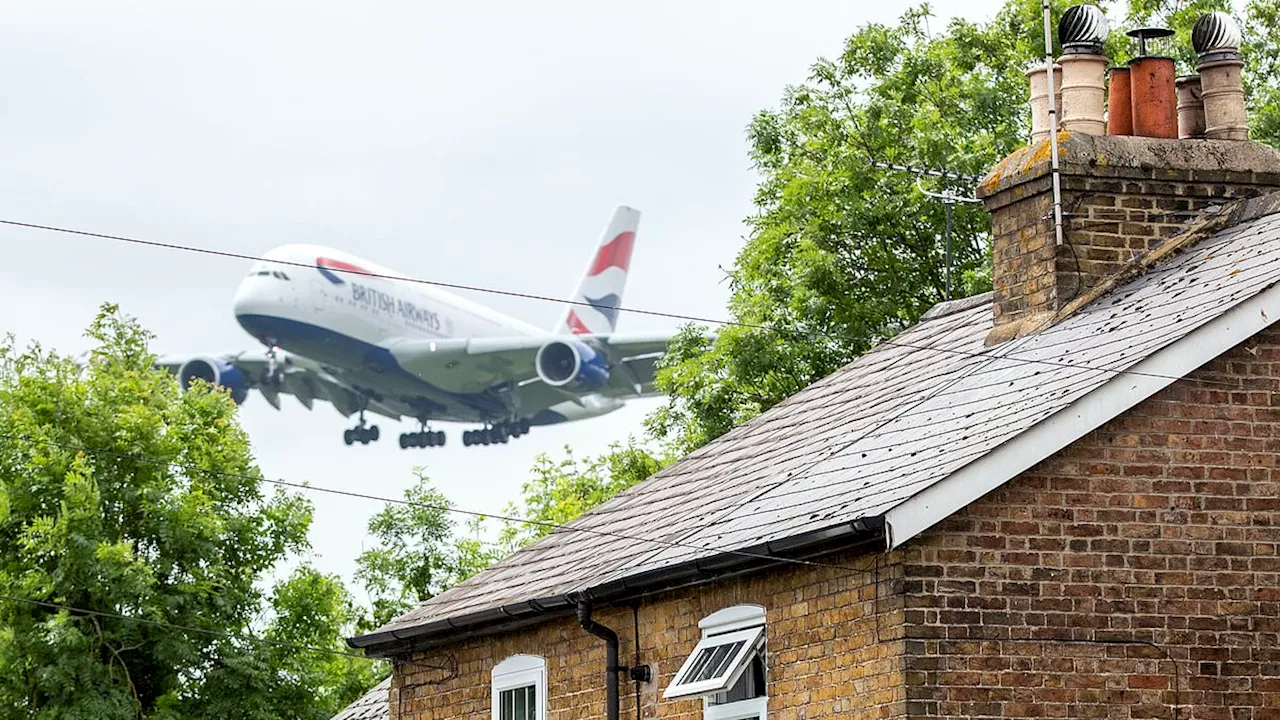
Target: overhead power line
[413, 503]
[812, 334]
[176, 626]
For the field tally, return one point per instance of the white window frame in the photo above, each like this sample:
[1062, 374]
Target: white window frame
[741, 710]
[721, 627]
[750, 639]
[516, 672]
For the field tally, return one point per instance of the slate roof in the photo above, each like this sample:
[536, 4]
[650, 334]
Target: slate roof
[374, 705]
[893, 422]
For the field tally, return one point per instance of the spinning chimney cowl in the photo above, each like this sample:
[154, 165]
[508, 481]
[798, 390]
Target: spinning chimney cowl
[1083, 29]
[1215, 33]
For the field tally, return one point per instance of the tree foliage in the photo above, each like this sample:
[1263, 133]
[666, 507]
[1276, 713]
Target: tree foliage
[841, 254]
[164, 520]
[418, 553]
[561, 490]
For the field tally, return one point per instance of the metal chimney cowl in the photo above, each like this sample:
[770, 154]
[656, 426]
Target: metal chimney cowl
[1083, 29]
[1215, 33]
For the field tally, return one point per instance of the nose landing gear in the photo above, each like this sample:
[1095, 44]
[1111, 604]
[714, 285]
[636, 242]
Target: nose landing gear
[272, 375]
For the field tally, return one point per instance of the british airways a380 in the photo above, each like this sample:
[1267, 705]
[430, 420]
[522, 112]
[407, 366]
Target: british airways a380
[344, 330]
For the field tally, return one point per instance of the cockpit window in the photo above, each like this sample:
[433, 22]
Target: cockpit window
[269, 273]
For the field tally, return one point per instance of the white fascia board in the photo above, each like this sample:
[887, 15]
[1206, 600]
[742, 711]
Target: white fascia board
[1122, 392]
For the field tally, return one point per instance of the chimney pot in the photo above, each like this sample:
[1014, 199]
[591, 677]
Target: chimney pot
[1040, 99]
[1153, 97]
[1082, 31]
[1216, 39]
[1190, 108]
[1119, 104]
[1151, 91]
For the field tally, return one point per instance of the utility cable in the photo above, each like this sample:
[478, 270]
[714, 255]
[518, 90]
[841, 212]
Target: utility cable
[421, 505]
[812, 334]
[175, 626]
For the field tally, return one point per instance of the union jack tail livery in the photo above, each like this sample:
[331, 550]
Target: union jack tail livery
[600, 293]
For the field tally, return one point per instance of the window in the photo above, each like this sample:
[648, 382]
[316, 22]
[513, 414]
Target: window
[520, 688]
[727, 667]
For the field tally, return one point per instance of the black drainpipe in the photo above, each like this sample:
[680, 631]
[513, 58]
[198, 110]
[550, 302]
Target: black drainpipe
[611, 658]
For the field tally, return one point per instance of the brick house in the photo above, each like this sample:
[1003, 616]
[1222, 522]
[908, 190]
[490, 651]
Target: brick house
[1058, 499]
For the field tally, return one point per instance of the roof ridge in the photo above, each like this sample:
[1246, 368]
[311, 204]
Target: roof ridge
[951, 307]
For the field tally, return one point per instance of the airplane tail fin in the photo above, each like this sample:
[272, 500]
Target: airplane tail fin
[599, 294]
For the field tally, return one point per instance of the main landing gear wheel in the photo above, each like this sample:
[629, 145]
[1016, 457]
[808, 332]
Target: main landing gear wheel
[363, 434]
[497, 434]
[422, 439]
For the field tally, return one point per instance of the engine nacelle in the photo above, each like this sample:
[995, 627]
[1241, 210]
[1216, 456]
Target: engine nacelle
[215, 372]
[568, 363]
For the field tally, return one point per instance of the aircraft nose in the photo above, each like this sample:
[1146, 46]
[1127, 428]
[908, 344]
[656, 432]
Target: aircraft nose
[248, 299]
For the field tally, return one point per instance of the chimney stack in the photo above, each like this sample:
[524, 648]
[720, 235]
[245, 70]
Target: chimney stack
[1122, 196]
[1082, 31]
[1216, 40]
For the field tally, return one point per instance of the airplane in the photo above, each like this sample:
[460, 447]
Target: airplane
[364, 338]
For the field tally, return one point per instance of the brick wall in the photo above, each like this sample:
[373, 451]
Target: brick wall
[1162, 526]
[834, 650]
[1134, 571]
[1121, 196]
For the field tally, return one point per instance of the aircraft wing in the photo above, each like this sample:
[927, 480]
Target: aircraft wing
[305, 380]
[474, 365]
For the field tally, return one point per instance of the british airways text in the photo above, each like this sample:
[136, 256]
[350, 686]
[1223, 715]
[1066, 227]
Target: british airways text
[380, 302]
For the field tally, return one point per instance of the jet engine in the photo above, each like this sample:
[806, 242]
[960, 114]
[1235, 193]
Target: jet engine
[572, 364]
[215, 372]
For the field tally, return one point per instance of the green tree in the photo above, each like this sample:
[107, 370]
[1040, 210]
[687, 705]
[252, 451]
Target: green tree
[417, 555]
[272, 680]
[95, 521]
[561, 490]
[841, 254]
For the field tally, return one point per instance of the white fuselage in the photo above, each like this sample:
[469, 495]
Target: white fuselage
[371, 308]
[343, 312]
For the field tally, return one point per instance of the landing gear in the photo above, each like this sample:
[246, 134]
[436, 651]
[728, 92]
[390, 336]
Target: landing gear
[496, 434]
[272, 375]
[361, 433]
[424, 438]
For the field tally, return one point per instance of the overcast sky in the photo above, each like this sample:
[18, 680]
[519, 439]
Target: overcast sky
[480, 143]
